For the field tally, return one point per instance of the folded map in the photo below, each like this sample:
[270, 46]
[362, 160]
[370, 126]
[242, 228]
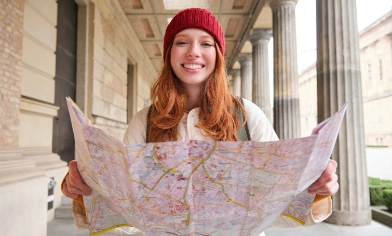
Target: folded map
[198, 187]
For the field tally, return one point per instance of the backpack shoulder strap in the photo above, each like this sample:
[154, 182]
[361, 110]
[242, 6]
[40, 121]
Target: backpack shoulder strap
[148, 124]
[243, 131]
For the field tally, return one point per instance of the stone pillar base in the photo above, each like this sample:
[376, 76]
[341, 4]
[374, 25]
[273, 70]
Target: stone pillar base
[351, 218]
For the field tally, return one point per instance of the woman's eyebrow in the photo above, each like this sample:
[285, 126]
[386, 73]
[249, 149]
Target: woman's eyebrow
[203, 36]
[208, 37]
[181, 35]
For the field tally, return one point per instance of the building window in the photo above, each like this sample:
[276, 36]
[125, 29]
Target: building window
[370, 72]
[380, 65]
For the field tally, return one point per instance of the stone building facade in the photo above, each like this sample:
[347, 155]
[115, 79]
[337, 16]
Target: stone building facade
[105, 55]
[375, 44]
[376, 68]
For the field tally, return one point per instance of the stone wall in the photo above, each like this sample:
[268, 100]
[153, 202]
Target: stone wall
[38, 72]
[11, 35]
[117, 92]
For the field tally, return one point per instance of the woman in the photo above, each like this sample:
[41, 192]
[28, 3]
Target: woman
[191, 100]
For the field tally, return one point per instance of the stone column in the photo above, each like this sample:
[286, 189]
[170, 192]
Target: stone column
[236, 74]
[261, 89]
[286, 86]
[245, 61]
[339, 81]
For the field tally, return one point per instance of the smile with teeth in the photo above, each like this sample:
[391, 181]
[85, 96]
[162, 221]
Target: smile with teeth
[192, 66]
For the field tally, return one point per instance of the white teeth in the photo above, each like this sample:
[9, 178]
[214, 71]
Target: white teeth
[192, 66]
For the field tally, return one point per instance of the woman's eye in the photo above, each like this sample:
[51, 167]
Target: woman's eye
[180, 43]
[207, 44]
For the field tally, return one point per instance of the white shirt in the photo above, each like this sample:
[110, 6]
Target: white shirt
[260, 129]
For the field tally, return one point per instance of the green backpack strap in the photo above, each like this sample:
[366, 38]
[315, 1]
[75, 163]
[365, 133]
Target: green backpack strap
[148, 124]
[243, 131]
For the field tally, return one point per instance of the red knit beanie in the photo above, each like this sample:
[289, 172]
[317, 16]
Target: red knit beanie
[194, 18]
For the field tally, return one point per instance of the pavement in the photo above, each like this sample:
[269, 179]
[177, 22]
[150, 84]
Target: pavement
[66, 227]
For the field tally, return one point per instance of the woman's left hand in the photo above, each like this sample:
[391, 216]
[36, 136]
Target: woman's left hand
[327, 184]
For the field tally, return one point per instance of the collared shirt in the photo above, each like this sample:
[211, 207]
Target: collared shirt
[260, 129]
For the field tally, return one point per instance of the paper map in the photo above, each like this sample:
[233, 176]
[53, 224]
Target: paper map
[198, 187]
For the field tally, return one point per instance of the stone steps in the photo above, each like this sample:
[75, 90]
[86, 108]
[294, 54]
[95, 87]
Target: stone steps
[65, 210]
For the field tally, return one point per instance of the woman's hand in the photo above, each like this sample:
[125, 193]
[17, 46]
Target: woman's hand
[73, 184]
[327, 184]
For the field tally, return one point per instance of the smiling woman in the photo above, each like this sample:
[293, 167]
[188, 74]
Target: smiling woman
[189, 42]
[191, 101]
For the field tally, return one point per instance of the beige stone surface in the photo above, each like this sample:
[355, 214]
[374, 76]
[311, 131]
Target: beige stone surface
[38, 26]
[108, 110]
[45, 62]
[15, 168]
[47, 8]
[34, 119]
[39, 46]
[23, 207]
[110, 94]
[37, 85]
[115, 46]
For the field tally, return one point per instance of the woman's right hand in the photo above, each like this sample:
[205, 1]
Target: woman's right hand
[73, 186]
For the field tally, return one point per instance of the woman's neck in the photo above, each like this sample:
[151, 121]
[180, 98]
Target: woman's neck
[193, 97]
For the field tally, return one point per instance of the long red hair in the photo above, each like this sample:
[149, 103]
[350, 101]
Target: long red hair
[217, 117]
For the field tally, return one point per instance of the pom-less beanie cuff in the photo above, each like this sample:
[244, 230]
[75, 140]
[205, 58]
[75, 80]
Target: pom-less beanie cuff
[194, 18]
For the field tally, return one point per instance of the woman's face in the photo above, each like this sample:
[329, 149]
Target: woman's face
[193, 56]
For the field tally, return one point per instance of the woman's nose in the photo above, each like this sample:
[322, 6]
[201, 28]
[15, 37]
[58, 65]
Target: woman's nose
[194, 50]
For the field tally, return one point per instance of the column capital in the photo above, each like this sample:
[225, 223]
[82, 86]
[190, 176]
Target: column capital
[274, 4]
[244, 57]
[257, 35]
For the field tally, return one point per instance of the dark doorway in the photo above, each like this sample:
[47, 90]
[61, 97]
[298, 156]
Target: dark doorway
[65, 80]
